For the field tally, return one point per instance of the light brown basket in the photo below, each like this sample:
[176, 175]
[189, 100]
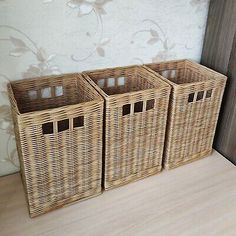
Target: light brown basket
[58, 126]
[135, 121]
[194, 108]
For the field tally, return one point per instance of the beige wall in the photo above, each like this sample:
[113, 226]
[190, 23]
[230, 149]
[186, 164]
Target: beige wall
[40, 37]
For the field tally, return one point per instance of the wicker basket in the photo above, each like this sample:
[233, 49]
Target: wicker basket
[194, 108]
[135, 121]
[58, 127]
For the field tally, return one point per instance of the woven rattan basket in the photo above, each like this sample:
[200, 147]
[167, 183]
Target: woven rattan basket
[135, 121]
[193, 112]
[58, 126]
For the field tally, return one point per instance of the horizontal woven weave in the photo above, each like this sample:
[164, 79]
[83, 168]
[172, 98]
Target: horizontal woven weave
[136, 106]
[193, 111]
[58, 126]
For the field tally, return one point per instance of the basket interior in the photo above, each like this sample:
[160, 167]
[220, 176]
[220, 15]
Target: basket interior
[119, 81]
[51, 92]
[182, 72]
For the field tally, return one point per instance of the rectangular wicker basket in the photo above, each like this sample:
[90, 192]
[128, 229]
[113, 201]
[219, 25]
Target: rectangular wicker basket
[193, 112]
[58, 126]
[136, 105]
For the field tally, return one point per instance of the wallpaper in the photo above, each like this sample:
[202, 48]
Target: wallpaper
[42, 37]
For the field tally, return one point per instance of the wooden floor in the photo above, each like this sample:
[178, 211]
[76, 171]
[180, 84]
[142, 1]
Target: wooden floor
[196, 199]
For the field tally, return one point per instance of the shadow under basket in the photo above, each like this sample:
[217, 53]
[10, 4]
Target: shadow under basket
[58, 127]
[136, 105]
[193, 111]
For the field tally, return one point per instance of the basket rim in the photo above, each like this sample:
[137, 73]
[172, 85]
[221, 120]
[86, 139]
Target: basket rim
[14, 103]
[164, 85]
[42, 78]
[216, 74]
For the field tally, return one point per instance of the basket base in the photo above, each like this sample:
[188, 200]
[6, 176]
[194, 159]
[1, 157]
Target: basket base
[198, 156]
[132, 178]
[67, 202]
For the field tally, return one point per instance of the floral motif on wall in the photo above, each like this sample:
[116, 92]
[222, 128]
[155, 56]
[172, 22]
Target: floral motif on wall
[95, 7]
[19, 47]
[156, 36]
[43, 67]
[112, 27]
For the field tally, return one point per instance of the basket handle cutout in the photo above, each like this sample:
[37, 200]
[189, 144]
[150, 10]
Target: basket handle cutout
[165, 73]
[32, 94]
[190, 97]
[111, 82]
[121, 81]
[168, 73]
[150, 104]
[46, 92]
[209, 93]
[101, 83]
[78, 121]
[138, 107]
[200, 95]
[63, 125]
[59, 91]
[47, 128]
[173, 74]
[126, 109]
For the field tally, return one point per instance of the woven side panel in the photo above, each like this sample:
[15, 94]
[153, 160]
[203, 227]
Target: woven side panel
[50, 92]
[134, 143]
[193, 112]
[62, 166]
[192, 127]
[136, 104]
[62, 161]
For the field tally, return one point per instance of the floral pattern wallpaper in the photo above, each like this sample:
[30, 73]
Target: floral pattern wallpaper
[43, 37]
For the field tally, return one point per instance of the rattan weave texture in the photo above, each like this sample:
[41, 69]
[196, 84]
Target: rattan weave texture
[136, 105]
[193, 111]
[58, 125]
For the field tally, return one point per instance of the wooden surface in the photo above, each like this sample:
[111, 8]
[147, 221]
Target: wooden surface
[219, 36]
[229, 131]
[195, 199]
[219, 53]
